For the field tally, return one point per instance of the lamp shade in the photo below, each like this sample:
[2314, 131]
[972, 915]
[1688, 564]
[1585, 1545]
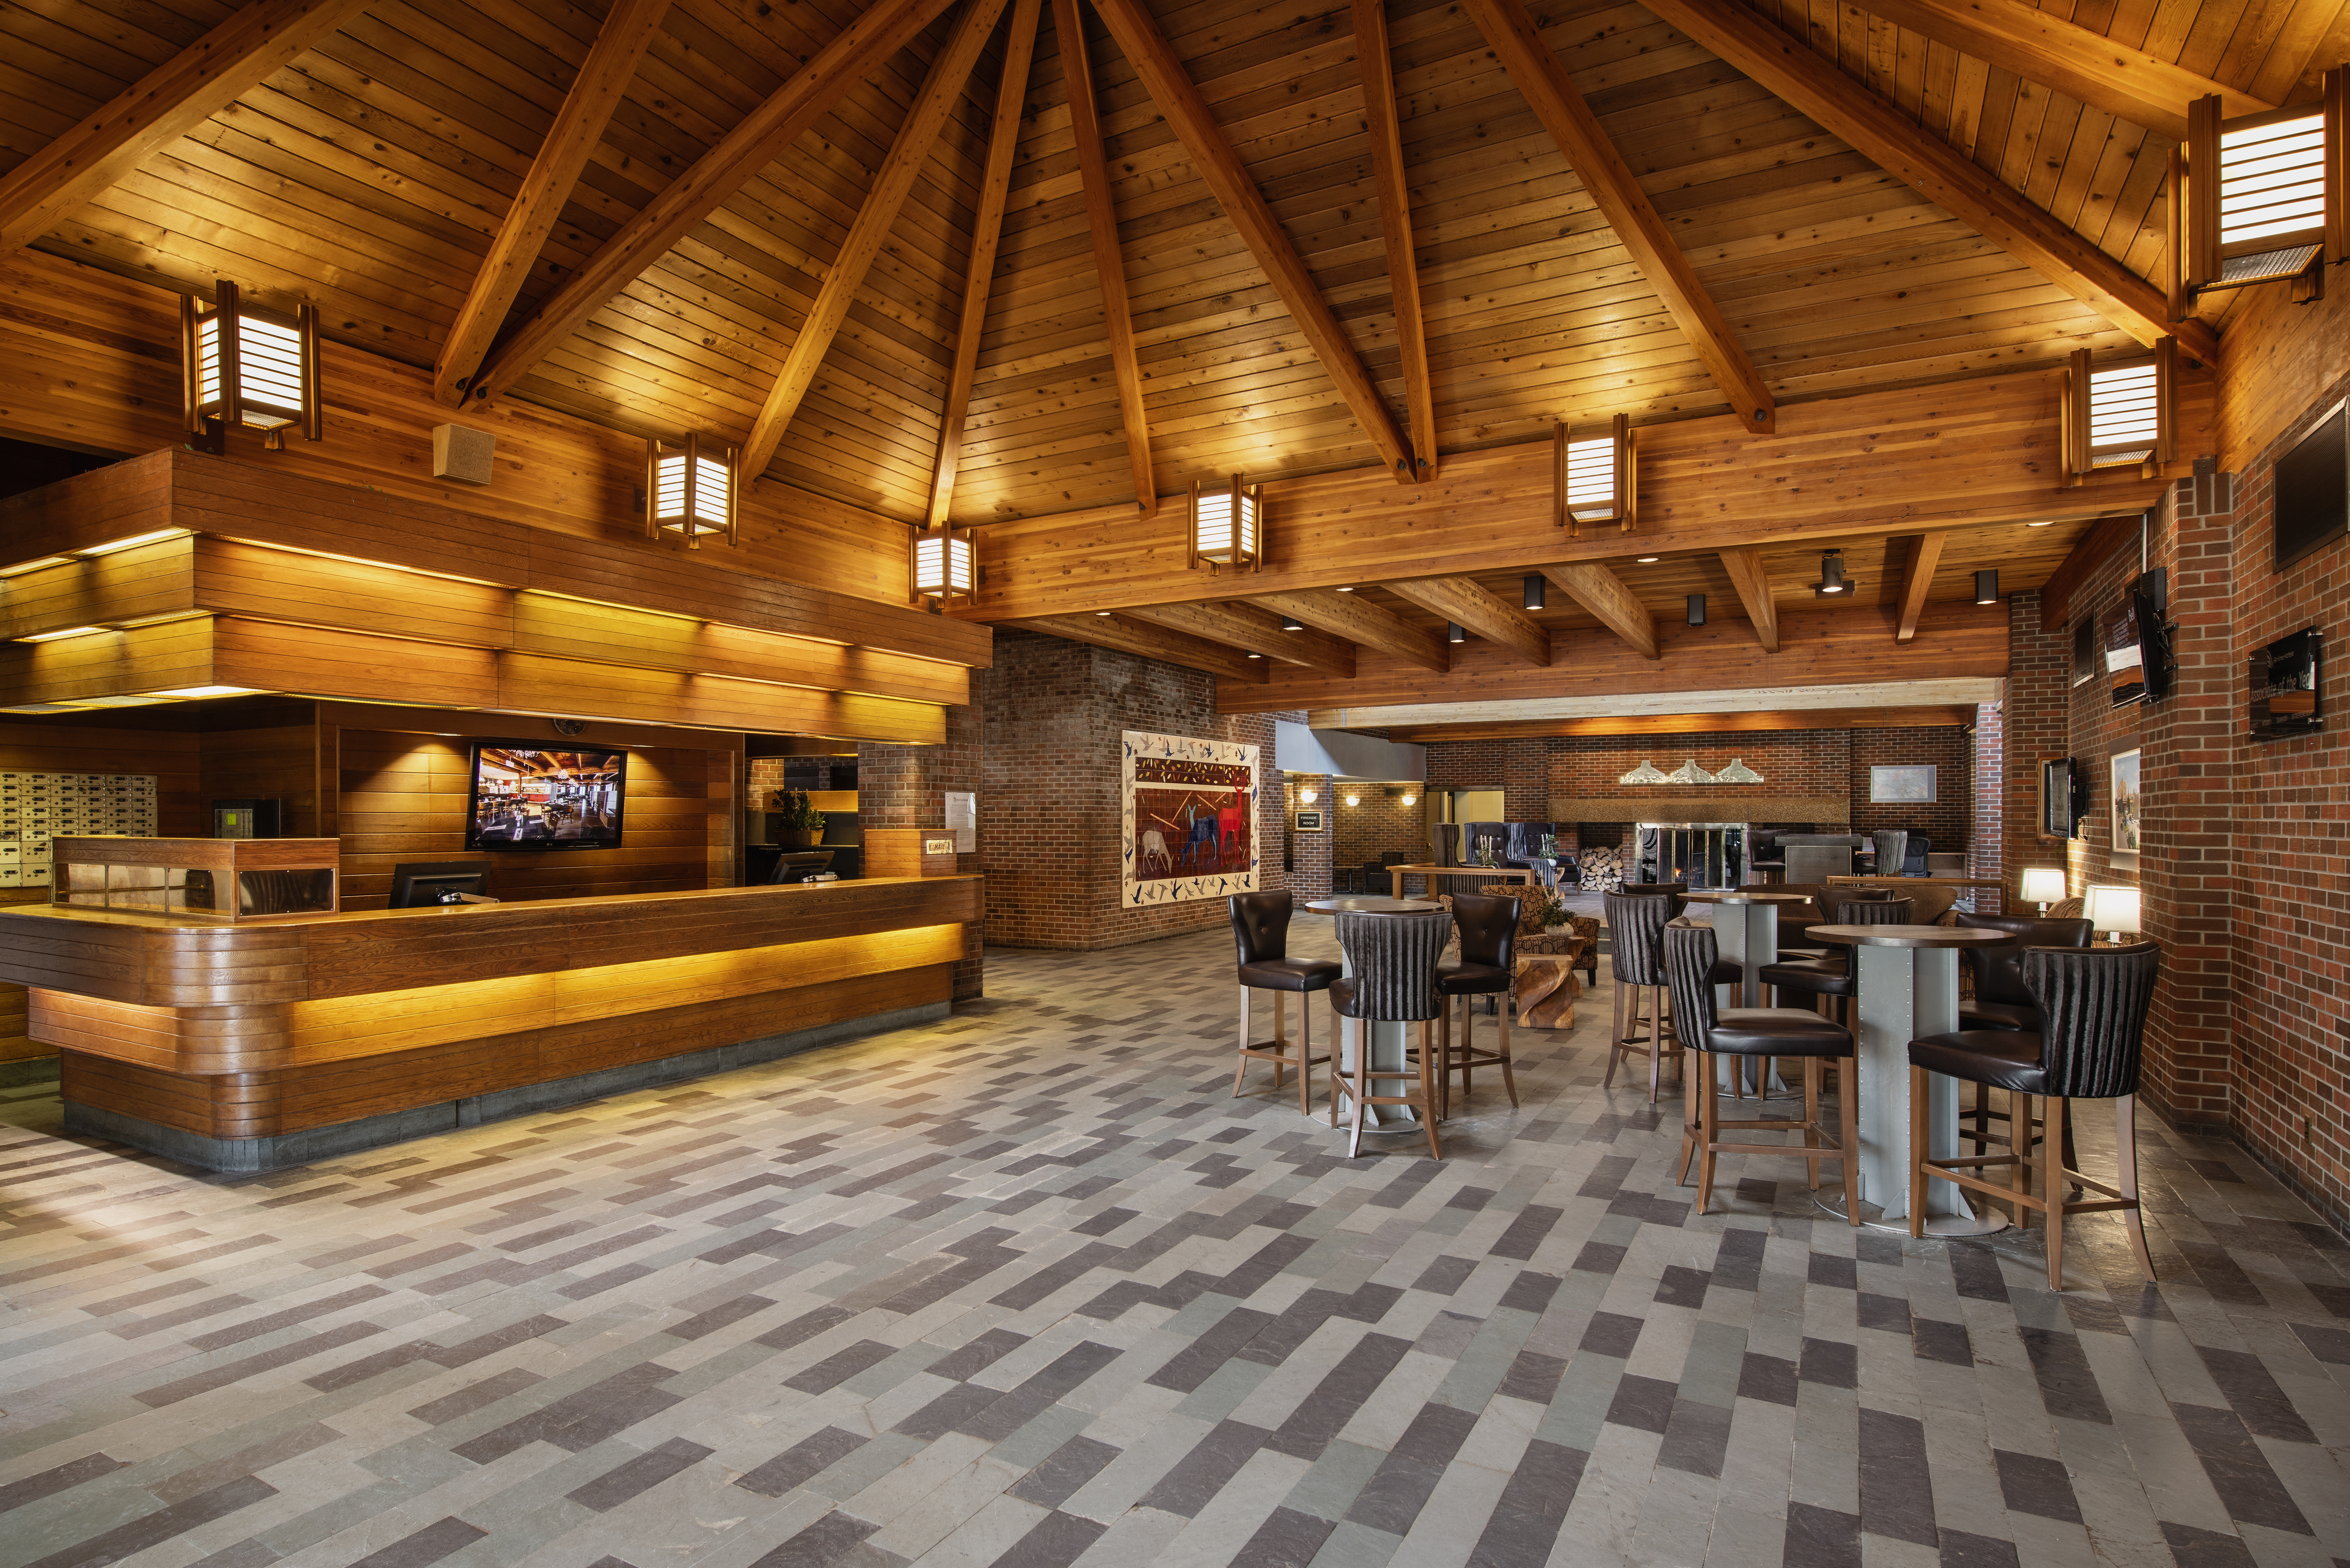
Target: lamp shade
[2112, 909]
[942, 567]
[1226, 526]
[2042, 885]
[244, 366]
[690, 490]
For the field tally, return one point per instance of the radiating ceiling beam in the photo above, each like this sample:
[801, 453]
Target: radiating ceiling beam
[1385, 123]
[862, 48]
[1599, 591]
[2081, 62]
[869, 230]
[1975, 196]
[158, 108]
[1534, 67]
[1753, 584]
[1171, 87]
[1109, 258]
[1467, 603]
[1767, 720]
[986, 237]
[1254, 630]
[1363, 623]
[1917, 581]
[628, 30]
[1152, 642]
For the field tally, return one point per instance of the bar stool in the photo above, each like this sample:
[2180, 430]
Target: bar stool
[1261, 933]
[1394, 960]
[1636, 955]
[2093, 1004]
[1691, 954]
[1999, 1000]
[1489, 938]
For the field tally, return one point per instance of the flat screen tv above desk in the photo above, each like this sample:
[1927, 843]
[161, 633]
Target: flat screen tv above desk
[531, 796]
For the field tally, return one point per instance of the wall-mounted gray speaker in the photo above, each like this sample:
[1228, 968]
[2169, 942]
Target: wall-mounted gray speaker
[462, 454]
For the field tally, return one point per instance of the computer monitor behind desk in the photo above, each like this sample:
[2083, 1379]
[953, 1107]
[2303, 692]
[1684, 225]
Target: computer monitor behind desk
[420, 883]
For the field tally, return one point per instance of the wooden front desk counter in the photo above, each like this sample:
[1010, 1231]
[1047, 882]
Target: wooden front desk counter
[273, 1043]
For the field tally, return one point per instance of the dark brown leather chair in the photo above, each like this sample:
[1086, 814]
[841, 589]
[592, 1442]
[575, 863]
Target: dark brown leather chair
[1999, 1000]
[1395, 960]
[1830, 975]
[1261, 935]
[1488, 966]
[1743, 1032]
[2093, 1005]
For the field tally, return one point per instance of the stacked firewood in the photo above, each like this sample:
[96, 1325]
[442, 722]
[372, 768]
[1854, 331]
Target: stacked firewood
[1603, 868]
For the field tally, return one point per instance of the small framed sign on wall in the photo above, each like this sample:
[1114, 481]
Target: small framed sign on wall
[1309, 821]
[1902, 785]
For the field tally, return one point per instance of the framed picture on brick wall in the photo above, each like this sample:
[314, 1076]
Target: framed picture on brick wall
[1309, 821]
[1189, 827]
[1908, 784]
[2126, 803]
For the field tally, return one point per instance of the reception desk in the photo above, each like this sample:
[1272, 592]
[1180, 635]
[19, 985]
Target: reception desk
[275, 1042]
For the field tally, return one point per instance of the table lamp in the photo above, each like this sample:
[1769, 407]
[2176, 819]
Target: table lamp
[2043, 885]
[2114, 910]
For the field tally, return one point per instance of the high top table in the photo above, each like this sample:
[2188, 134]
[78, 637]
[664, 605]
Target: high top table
[1906, 980]
[1387, 1039]
[1749, 935]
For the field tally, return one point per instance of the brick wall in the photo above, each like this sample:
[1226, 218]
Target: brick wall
[1310, 853]
[1052, 713]
[1987, 760]
[1378, 823]
[2036, 723]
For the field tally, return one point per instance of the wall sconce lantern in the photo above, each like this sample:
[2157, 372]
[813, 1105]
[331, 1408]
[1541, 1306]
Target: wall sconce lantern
[1228, 525]
[2257, 199]
[690, 491]
[2118, 416]
[1593, 480]
[244, 366]
[942, 567]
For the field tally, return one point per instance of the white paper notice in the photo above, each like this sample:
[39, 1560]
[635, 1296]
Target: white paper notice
[962, 818]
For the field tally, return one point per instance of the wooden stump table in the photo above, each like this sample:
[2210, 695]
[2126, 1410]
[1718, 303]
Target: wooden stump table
[1547, 987]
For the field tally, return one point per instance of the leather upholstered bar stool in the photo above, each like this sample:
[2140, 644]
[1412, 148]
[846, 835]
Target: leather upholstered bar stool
[1673, 889]
[1488, 966]
[1739, 1033]
[1261, 935]
[2093, 1006]
[1830, 976]
[1999, 1001]
[1394, 981]
[1636, 956]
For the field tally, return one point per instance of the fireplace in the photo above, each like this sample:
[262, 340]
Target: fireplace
[1711, 855]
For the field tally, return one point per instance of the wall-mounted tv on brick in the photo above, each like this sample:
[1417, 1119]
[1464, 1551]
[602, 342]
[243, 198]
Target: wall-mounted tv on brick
[534, 797]
[2311, 489]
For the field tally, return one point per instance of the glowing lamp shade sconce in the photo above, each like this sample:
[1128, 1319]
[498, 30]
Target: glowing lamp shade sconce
[1309, 795]
[2118, 416]
[1592, 479]
[1353, 800]
[1228, 526]
[2114, 910]
[240, 364]
[2042, 885]
[1833, 583]
[943, 567]
[2257, 199]
[690, 491]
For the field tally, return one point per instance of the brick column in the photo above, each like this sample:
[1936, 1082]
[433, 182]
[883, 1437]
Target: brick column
[2034, 725]
[1987, 845]
[1310, 853]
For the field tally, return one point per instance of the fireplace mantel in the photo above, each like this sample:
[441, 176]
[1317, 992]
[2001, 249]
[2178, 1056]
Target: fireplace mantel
[1700, 803]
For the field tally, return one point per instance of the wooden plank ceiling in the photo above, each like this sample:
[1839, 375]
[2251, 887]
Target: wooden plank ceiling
[372, 175]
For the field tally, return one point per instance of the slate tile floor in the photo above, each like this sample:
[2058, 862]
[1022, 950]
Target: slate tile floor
[1029, 1288]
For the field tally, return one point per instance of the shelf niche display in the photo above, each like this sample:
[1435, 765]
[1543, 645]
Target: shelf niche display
[198, 878]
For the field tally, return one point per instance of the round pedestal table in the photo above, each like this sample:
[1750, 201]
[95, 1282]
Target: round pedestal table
[1387, 1039]
[1906, 980]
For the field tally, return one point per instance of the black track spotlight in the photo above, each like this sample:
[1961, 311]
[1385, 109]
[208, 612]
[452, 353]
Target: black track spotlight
[1833, 583]
[1291, 623]
[1987, 586]
[1455, 632]
[1537, 587]
[1697, 609]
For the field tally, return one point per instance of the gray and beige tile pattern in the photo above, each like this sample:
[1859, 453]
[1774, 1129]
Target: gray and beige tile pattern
[1028, 1288]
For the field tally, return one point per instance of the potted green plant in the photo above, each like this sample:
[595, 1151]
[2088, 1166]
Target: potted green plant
[798, 825]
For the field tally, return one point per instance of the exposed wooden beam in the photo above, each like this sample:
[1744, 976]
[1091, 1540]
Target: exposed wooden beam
[2100, 542]
[986, 237]
[2043, 47]
[1534, 67]
[1171, 87]
[1753, 582]
[1363, 623]
[1470, 604]
[1917, 579]
[158, 108]
[1153, 642]
[1975, 196]
[1253, 629]
[1917, 460]
[1109, 258]
[860, 50]
[1599, 591]
[1763, 720]
[628, 30]
[869, 230]
[1385, 124]
[1956, 657]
